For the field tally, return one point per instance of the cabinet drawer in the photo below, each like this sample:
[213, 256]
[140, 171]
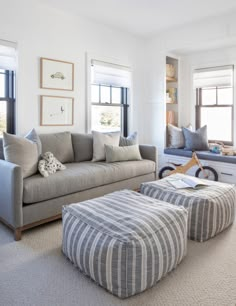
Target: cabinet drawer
[226, 175]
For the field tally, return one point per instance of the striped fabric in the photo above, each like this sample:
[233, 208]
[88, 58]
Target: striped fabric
[211, 209]
[124, 241]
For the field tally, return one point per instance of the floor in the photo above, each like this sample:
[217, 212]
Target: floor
[34, 272]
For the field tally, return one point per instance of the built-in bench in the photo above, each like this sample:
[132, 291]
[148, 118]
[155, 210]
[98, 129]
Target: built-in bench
[205, 155]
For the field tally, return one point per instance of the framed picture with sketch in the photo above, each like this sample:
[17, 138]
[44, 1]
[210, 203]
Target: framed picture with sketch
[55, 74]
[56, 111]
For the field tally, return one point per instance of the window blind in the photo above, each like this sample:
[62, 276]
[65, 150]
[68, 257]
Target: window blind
[7, 55]
[110, 74]
[213, 77]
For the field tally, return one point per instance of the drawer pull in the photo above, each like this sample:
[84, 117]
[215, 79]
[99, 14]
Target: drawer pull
[229, 174]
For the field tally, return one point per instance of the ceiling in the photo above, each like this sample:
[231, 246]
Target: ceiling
[144, 17]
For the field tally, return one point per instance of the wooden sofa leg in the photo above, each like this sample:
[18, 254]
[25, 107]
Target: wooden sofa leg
[17, 234]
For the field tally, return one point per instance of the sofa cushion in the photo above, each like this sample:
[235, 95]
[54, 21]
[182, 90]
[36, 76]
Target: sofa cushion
[60, 144]
[81, 176]
[83, 147]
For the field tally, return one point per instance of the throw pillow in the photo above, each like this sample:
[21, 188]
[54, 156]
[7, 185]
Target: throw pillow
[60, 144]
[117, 153]
[130, 140]
[176, 137]
[22, 151]
[196, 140]
[99, 142]
[33, 136]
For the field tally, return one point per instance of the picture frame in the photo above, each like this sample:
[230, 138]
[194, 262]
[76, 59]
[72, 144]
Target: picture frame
[56, 111]
[56, 74]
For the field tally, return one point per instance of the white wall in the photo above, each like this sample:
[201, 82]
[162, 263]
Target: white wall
[44, 32]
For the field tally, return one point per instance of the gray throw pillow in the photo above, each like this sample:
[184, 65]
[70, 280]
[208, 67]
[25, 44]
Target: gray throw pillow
[196, 140]
[117, 153]
[99, 142]
[33, 136]
[130, 140]
[175, 136]
[60, 144]
[22, 151]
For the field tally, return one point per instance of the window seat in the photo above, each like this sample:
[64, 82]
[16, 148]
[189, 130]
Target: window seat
[205, 155]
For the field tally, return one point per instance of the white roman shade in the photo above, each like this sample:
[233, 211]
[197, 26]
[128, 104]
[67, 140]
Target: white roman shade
[110, 74]
[7, 55]
[213, 77]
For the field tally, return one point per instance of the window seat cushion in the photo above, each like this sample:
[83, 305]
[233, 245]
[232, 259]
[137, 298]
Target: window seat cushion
[205, 155]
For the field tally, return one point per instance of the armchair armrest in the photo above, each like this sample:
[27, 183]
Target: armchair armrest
[148, 152]
[11, 193]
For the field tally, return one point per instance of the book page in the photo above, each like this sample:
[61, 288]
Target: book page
[179, 184]
[194, 182]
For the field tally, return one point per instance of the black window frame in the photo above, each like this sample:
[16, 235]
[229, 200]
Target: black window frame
[124, 105]
[199, 105]
[10, 99]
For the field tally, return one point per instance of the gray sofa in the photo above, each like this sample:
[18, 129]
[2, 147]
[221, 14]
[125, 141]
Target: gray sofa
[25, 203]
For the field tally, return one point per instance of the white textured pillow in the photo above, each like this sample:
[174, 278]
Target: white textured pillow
[99, 142]
[125, 153]
[176, 137]
[22, 151]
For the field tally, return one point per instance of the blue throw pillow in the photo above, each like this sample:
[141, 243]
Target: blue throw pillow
[196, 141]
[131, 140]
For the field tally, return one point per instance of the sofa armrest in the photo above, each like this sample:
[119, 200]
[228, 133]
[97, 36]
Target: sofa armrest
[148, 152]
[11, 193]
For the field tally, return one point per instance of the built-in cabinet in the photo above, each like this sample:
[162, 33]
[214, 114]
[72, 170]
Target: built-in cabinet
[226, 171]
[172, 90]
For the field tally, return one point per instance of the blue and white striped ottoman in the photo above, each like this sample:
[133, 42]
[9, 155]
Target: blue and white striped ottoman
[124, 241]
[210, 209]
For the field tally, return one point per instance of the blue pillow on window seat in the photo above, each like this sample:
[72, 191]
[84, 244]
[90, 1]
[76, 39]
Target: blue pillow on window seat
[196, 140]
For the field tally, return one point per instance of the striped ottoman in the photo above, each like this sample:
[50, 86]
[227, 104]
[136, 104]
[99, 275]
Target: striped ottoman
[211, 209]
[124, 241]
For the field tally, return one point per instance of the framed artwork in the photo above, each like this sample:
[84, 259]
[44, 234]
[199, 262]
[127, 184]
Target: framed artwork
[55, 111]
[56, 74]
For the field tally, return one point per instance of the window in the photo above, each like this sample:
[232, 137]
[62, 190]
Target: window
[7, 86]
[7, 101]
[109, 108]
[214, 102]
[109, 97]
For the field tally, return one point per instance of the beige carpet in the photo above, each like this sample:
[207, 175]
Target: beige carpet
[34, 272]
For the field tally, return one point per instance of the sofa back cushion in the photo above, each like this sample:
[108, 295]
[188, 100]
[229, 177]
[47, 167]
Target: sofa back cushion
[1, 149]
[83, 147]
[60, 144]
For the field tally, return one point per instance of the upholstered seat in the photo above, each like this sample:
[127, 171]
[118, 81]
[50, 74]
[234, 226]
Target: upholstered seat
[211, 208]
[82, 176]
[124, 241]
